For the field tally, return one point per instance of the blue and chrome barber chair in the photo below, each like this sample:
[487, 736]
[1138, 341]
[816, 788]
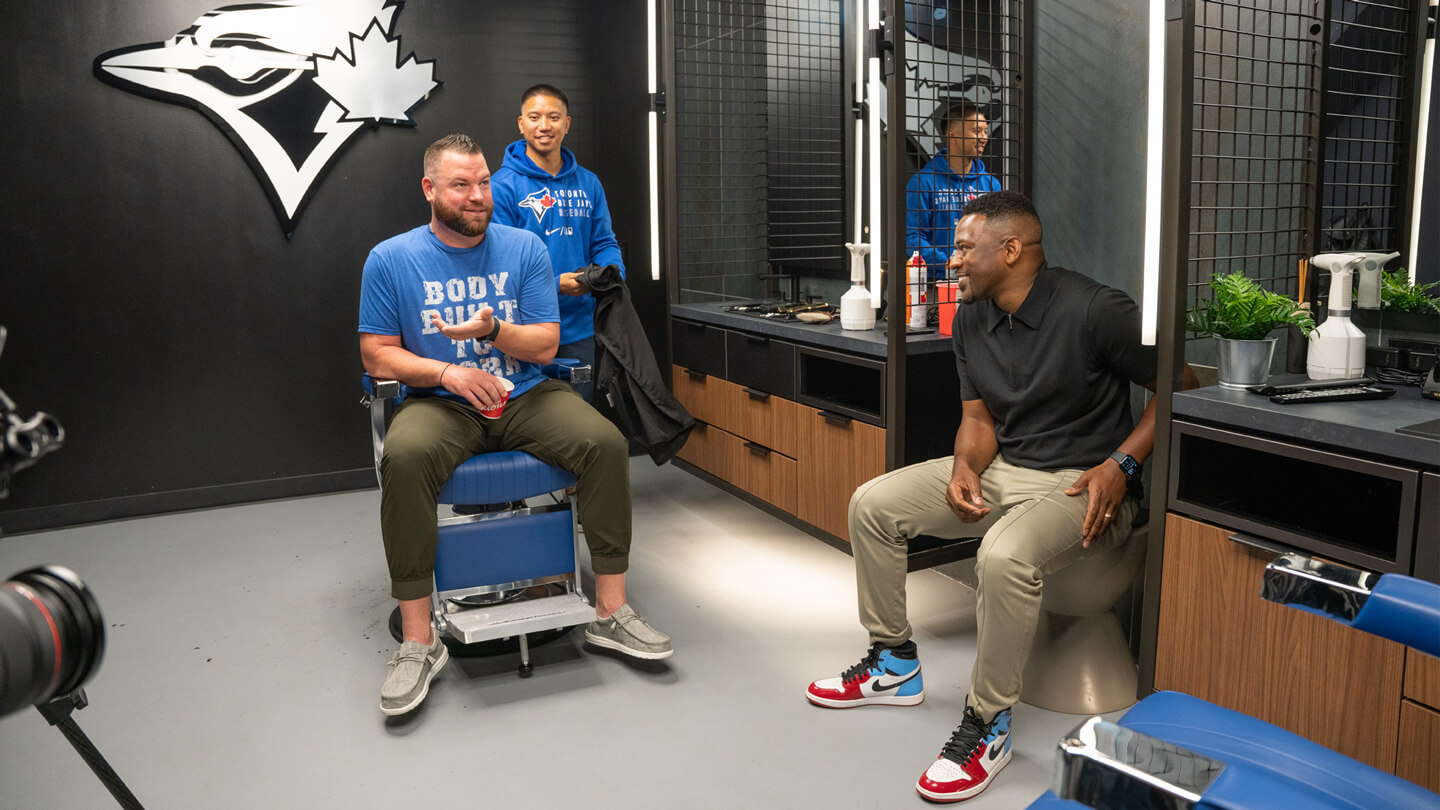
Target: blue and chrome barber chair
[1176, 751]
[511, 569]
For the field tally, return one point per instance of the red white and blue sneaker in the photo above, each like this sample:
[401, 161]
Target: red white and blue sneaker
[976, 752]
[886, 675]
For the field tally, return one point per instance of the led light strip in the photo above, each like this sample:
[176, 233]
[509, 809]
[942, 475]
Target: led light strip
[1422, 131]
[873, 18]
[1154, 179]
[654, 126]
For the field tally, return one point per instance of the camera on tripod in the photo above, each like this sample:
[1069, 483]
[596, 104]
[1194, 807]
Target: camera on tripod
[51, 634]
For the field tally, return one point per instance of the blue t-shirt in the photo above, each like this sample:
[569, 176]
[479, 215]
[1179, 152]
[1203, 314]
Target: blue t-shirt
[933, 199]
[414, 275]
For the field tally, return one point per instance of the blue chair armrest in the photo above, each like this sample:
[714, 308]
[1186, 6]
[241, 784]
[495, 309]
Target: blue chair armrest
[1403, 609]
[1392, 606]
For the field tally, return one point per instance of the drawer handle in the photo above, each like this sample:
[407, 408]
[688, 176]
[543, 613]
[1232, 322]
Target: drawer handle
[760, 339]
[758, 449]
[1259, 544]
[833, 418]
[696, 375]
[763, 396]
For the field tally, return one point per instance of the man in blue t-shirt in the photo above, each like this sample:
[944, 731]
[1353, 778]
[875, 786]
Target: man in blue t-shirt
[455, 310]
[540, 187]
[936, 193]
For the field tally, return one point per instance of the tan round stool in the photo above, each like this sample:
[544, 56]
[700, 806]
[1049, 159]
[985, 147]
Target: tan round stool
[1080, 662]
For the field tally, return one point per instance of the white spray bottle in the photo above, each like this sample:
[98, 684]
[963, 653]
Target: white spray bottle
[1367, 287]
[856, 311]
[1337, 346]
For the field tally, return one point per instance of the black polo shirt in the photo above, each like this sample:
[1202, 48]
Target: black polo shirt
[1055, 375]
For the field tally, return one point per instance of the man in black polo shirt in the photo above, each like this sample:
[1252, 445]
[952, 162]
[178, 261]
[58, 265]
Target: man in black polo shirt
[1045, 468]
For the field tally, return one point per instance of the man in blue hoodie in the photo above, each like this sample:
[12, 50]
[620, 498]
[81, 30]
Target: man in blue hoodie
[935, 195]
[542, 188]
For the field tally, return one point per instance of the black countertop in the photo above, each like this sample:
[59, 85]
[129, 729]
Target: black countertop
[1365, 427]
[871, 342]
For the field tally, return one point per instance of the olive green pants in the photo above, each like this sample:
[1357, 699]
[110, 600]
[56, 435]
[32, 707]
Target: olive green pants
[430, 436]
[1033, 529]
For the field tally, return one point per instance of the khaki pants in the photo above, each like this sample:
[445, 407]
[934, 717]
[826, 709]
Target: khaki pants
[430, 436]
[1033, 529]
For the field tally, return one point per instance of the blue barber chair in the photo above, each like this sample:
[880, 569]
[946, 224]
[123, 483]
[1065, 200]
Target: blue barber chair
[509, 570]
[1176, 751]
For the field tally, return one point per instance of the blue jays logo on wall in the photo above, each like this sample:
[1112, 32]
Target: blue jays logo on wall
[290, 82]
[538, 202]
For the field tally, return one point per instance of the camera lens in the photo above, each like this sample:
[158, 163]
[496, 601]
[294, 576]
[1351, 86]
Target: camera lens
[51, 636]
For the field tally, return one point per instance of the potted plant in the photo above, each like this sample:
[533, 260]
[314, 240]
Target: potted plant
[1407, 307]
[1241, 317]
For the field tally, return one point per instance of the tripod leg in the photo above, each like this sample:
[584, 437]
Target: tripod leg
[57, 713]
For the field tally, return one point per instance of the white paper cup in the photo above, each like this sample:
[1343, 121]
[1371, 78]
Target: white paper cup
[494, 413]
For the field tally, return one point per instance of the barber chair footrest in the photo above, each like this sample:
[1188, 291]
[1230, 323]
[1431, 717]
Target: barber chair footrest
[513, 618]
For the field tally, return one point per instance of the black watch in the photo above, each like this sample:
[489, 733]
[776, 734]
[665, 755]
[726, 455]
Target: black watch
[1128, 465]
[493, 332]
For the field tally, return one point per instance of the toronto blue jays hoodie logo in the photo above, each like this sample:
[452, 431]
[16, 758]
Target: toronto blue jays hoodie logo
[290, 82]
[538, 202]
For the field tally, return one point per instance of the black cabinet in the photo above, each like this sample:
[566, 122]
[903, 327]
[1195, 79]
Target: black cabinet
[1354, 510]
[698, 347]
[760, 363]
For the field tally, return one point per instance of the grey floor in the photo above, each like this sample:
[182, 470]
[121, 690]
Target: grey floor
[247, 645]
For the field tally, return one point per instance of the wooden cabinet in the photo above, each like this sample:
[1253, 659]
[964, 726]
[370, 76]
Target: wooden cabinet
[743, 436]
[794, 424]
[837, 454]
[1419, 756]
[1218, 640]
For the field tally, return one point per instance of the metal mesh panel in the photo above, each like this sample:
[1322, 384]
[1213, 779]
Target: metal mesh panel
[760, 110]
[960, 59]
[1366, 125]
[720, 132]
[807, 112]
[1256, 113]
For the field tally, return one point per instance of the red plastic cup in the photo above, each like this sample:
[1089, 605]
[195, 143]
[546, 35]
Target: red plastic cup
[494, 413]
[948, 294]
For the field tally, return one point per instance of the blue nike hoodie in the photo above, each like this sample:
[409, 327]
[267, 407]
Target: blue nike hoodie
[568, 212]
[933, 199]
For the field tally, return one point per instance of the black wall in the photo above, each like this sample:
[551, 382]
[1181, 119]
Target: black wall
[195, 355]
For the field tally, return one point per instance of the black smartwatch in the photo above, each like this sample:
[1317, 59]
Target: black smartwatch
[494, 332]
[1128, 465]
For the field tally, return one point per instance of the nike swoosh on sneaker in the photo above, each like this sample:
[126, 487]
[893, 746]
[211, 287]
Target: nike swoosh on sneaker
[996, 748]
[883, 685]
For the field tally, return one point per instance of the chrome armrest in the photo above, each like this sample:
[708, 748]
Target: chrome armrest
[1393, 606]
[380, 396]
[565, 368]
[1106, 766]
[1333, 591]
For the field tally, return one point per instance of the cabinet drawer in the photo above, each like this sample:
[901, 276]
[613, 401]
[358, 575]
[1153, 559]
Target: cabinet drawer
[765, 473]
[837, 454]
[760, 363]
[1419, 746]
[706, 449]
[701, 394]
[750, 466]
[698, 346]
[1422, 678]
[766, 419]
[1219, 641]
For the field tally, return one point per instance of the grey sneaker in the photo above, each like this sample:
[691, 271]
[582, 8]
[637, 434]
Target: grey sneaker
[628, 633]
[411, 669]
